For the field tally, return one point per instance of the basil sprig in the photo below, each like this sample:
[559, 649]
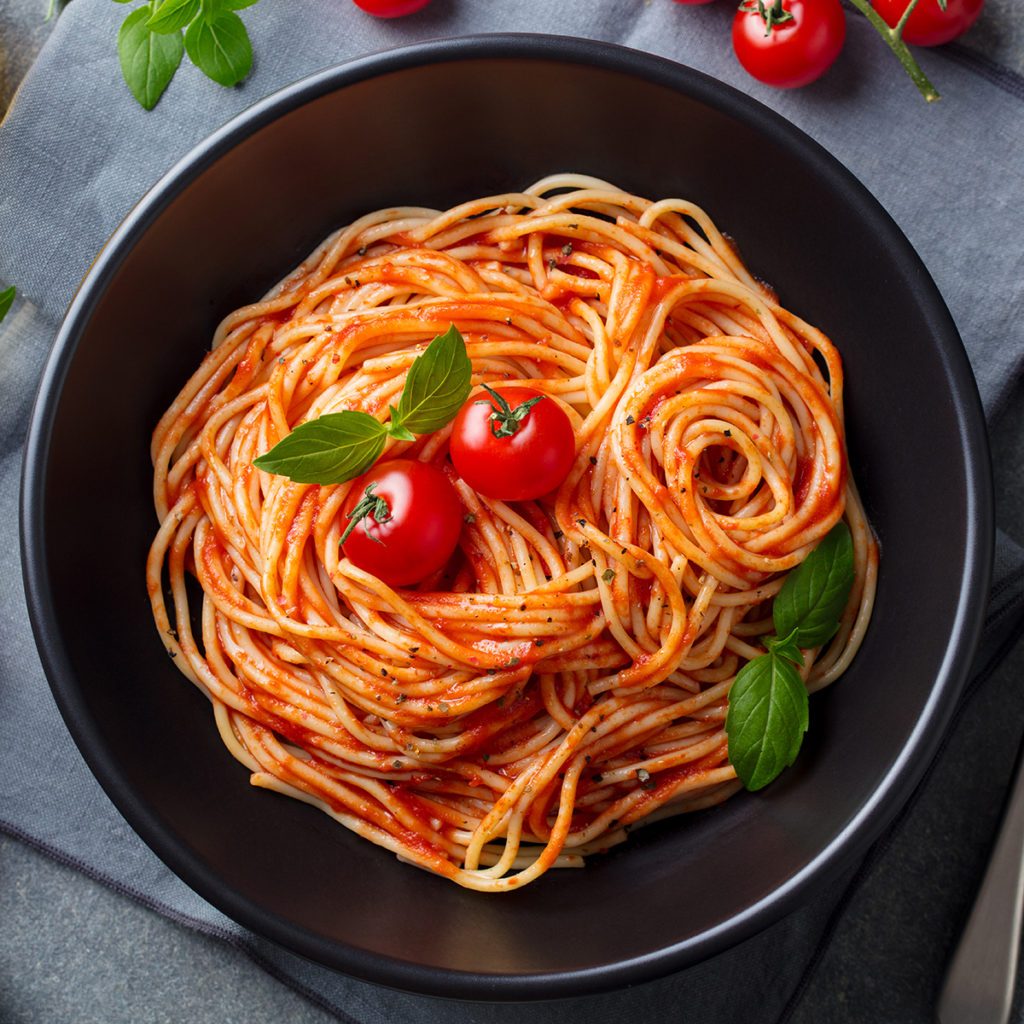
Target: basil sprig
[6, 301]
[341, 445]
[328, 450]
[219, 46]
[767, 719]
[148, 59]
[809, 605]
[768, 707]
[173, 15]
[150, 44]
[436, 387]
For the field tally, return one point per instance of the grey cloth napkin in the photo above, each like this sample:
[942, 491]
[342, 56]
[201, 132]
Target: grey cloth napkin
[76, 153]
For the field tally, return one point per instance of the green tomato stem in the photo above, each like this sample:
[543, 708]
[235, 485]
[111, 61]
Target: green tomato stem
[904, 18]
[894, 39]
[773, 16]
[505, 420]
[369, 504]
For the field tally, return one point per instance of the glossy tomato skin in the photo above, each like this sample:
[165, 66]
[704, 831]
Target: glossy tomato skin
[929, 24]
[530, 463]
[423, 531]
[391, 8]
[795, 52]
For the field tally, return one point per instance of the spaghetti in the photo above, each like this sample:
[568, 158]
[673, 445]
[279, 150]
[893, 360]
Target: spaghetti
[566, 677]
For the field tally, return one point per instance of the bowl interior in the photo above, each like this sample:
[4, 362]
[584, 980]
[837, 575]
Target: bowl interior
[432, 131]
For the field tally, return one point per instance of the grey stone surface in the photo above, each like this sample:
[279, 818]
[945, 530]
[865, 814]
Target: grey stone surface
[23, 29]
[72, 950]
[999, 34]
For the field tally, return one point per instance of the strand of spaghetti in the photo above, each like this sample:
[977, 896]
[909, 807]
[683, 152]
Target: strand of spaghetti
[568, 674]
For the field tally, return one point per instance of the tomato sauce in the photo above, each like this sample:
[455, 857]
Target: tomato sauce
[663, 285]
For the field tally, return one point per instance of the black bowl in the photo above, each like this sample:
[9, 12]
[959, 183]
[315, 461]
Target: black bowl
[432, 125]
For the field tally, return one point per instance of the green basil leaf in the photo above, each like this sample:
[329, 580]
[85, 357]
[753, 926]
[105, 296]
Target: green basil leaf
[218, 44]
[6, 301]
[172, 15]
[767, 719]
[395, 428]
[815, 593]
[437, 385]
[328, 450]
[785, 647]
[236, 5]
[148, 60]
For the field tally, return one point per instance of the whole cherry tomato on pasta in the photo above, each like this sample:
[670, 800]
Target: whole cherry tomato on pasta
[929, 24]
[512, 443]
[788, 43]
[403, 521]
[391, 8]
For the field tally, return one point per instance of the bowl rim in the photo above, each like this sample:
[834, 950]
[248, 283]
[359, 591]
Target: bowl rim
[864, 826]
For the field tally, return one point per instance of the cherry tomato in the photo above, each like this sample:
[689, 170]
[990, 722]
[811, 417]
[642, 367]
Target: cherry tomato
[405, 520]
[796, 50]
[391, 8]
[929, 24]
[512, 444]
